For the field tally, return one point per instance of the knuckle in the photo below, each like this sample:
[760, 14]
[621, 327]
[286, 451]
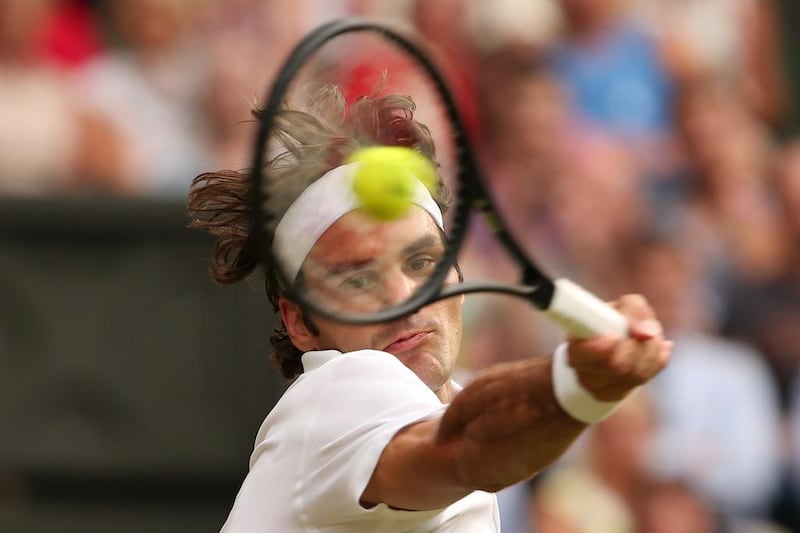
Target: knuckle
[635, 305]
[646, 372]
[621, 363]
[654, 360]
[633, 300]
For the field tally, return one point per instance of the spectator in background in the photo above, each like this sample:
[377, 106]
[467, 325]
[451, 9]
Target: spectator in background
[48, 143]
[673, 506]
[529, 128]
[501, 26]
[259, 33]
[593, 490]
[766, 313]
[729, 156]
[149, 87]
[615, 77]
[595, 208]
[227, 98]
[717, 407]
[244, 42]
[444, 25]
[72, 34]
[737, 41]
[527, 142]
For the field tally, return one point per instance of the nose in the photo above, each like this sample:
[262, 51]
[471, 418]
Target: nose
[398, 287]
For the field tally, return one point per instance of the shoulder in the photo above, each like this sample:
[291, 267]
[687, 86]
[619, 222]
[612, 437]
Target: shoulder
[332, 425]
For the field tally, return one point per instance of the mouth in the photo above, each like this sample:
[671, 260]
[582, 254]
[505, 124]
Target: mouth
[407, 341]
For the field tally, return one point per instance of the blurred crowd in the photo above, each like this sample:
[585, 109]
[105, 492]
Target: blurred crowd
[635, 145]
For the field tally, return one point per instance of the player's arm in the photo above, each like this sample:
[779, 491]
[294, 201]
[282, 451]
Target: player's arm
[507, 425]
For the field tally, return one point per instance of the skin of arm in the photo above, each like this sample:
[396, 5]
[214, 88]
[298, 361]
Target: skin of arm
[506, 425]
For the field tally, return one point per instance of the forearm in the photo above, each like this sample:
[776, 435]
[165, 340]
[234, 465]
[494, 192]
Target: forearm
[506, 426]
[502, 428]
[509, 423]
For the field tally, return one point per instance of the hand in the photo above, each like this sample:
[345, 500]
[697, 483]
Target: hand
[610, 367]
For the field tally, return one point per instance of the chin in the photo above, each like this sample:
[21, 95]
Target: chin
[428, 368]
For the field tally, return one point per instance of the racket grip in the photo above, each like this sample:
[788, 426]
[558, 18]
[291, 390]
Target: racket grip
[583, 314]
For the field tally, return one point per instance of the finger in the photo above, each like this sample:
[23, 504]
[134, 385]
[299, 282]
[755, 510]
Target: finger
[630, 360]
[635, 307]
[650, 360]
[646, 329]
[598, 349]
[634, 364]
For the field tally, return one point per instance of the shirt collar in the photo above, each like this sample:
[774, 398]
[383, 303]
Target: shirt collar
[316, 358]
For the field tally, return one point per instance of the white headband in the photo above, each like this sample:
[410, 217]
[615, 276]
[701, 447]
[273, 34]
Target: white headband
[320, 205]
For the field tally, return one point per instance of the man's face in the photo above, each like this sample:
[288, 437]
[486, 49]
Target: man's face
[362, 265]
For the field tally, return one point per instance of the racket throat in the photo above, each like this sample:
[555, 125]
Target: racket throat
[541, 289]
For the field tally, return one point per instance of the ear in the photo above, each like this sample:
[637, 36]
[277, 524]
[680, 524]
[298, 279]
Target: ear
[298, 332]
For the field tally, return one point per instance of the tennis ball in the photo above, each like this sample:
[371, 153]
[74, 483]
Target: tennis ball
[386, 177]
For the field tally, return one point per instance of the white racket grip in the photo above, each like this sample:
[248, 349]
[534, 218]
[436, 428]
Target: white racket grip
[583, 314]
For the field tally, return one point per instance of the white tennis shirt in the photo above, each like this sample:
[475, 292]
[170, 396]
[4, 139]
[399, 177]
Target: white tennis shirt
[317, 449]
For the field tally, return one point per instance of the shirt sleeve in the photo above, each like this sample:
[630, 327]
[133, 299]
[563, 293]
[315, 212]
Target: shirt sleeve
[361, 400]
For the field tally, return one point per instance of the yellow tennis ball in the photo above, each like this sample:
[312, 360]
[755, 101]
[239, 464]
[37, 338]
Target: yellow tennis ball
[386, 177]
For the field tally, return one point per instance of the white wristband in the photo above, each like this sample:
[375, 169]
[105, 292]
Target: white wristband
[571, 396]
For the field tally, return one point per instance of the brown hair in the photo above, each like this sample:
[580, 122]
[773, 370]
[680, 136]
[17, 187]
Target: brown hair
[312, 141]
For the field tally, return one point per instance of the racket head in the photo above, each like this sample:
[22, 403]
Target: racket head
[349, 65]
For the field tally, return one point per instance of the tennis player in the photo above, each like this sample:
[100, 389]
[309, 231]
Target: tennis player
[372, 434]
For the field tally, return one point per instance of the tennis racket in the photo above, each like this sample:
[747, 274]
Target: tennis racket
[358, 60]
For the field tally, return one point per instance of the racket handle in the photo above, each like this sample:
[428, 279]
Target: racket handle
[583, 314]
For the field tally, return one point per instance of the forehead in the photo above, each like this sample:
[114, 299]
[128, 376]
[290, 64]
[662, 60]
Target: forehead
[358, 235]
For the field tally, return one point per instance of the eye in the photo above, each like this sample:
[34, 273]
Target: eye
[420, 264]
[359, 282]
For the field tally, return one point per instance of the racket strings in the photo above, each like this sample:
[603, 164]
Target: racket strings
[320, 112]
